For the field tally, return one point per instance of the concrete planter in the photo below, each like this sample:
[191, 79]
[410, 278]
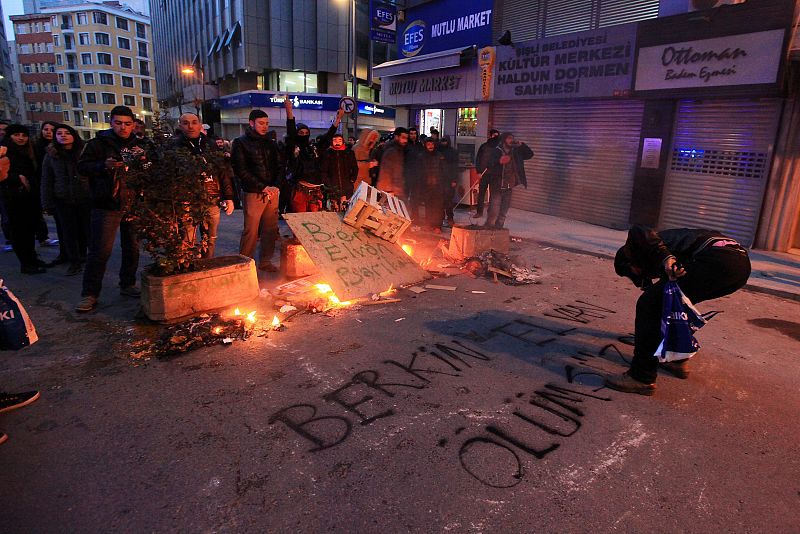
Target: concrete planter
[218, 283]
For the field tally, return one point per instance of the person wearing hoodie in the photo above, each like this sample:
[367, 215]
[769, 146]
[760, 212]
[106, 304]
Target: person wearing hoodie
[505, 169]
[431, 184]
[104, 160]
[216, 180]
[450, 178]
[302, 156]
[43, 140]
[20, 198]
[339, 171]
[66, 193]
[367, 140]
[392, 168]
[254, 157]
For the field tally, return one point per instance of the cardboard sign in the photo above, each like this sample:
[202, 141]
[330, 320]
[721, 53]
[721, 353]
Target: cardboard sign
[354, 263]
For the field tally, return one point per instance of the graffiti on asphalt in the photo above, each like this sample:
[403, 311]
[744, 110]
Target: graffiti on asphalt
[554, 411]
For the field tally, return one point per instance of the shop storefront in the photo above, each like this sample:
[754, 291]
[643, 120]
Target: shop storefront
[727, 111]
[568, 98]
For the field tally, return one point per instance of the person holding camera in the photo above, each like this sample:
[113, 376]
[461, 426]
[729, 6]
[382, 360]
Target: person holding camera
[505, 169]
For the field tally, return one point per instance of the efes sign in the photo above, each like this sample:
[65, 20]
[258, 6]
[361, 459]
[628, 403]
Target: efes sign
[445, 25]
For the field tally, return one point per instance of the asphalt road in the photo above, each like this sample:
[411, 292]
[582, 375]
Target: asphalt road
[474, 413]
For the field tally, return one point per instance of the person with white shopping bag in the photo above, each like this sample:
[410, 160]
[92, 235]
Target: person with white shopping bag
[706, 265]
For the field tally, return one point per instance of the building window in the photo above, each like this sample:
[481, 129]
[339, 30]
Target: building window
[78, 118]
[63, 98]
[57, 40]
[99, 17]
[144, 68]
[83, 39]
[21, 29]
[141, 33]
[106, 78]
[127, 81]
[102, 39]
[83, 18]
[147, 104]
[123, 43]
[66, 22]
[94, 116]
[141, 49]
[88, 78]
[26, 69]
[125, 62]
[86, 58]
[66, 116]
[106, 116]
[91, 98]
[129, 100]
[29, 88]
[103, 58]
[297, 82]
[53, 87]
[146, 87]
[122, 24]
[59, 60]
[109, 98]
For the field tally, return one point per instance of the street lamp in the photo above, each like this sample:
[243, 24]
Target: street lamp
[191, 69]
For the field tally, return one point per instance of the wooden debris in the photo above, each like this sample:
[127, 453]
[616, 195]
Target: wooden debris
[440, 288]
[416, 289]
[375, 302]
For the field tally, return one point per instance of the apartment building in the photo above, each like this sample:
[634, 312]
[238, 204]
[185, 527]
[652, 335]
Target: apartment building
[37, 67]
[78, 60]
[103, 56]
[8, 98]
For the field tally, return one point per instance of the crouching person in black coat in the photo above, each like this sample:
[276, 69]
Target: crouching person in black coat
[706, 264]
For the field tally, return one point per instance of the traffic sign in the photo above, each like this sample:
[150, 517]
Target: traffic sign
[347, 104]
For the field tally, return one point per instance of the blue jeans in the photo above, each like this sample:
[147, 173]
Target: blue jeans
[102, 233]
[499, 202]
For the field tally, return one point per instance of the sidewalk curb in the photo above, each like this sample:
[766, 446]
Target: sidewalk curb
[748, 287]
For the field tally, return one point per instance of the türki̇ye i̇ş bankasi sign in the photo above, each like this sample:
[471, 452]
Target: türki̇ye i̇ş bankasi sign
[745, 59]
[587, 64]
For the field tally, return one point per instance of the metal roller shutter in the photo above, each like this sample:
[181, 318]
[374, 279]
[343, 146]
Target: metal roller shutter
[585, 157]
[719, 164]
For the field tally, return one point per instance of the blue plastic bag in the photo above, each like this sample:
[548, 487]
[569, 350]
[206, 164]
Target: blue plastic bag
[16, 328]
[679, 321]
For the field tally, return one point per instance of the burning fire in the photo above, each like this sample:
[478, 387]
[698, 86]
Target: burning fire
[249, 317]
[276, 323]
[389, 292]
[218, 330]
[325, 289]
[237, 312]
[407, 249]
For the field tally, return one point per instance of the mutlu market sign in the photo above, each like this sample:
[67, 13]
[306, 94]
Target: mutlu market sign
[745, 59]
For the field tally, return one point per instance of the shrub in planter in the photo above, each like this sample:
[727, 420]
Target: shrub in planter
[170, 198]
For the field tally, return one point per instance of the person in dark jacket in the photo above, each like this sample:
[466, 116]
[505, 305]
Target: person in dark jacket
[217, 181]
[339, 171]
[66, 192]
[450, 178]
[255, 162]
[391, 170]
[481, 162]
[43, 140]
[706, 264]
[20, 198]
[303, 156]
[415, 189]
[431, 186]
[505, 168]
[104, 160]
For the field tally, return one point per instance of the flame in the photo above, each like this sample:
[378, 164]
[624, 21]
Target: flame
[324, 288]
[407, 249]
[336, 302]
[389, 292]
[218, 330]
[251, 317]
[276, 322]
[237, 312]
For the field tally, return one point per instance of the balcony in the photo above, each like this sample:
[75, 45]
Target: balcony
[74, 85]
